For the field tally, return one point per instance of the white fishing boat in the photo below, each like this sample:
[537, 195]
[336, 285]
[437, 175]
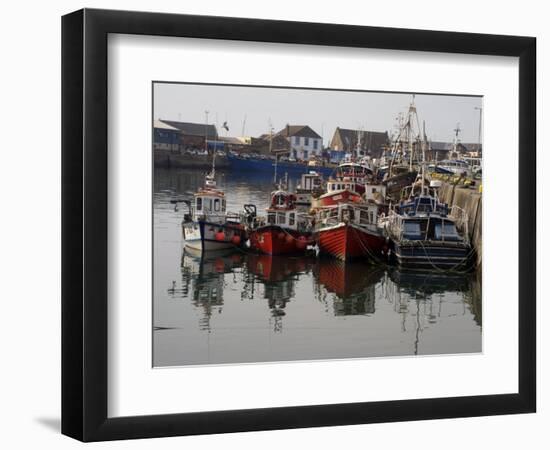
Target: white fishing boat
[208, 226]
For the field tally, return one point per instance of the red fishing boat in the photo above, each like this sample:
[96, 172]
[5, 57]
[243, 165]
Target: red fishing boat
[349, 230]
[347, 185]
[284, 231]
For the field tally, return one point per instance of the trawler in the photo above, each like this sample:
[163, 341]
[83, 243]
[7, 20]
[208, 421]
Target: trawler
[350, 230]
[425, 234]
[286, 230]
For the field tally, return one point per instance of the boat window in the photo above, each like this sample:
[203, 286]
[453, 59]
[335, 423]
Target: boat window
[209, 203]
[223, 204]
[217, 204]
[291, 218]
[411, 230]
[271, 218]
[281, 218]
[446, 232]
[199, 203]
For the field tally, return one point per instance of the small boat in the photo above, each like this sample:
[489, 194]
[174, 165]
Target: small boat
[350, 230]
[454, 166]
[347, 185]
[426, 235]
[285, 230]
[208, 226]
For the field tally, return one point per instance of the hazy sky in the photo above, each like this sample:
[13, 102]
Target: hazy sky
[320, 109]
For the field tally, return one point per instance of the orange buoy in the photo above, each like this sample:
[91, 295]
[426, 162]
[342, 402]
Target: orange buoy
[220, 236]
[219, 265]
[289, 239]
[236, 239]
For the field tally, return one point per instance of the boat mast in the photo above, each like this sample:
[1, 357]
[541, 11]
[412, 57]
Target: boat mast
[206, 132]
[271, 150]
[423, 152]
[456, 141]
[210, 178]
[412, 111]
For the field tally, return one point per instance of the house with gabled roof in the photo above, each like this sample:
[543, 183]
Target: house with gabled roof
[304, 143]
[361, 142]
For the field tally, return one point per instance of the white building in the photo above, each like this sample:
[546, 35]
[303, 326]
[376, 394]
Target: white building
[304, 142]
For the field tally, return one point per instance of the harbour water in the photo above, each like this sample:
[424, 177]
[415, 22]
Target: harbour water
[239, 307]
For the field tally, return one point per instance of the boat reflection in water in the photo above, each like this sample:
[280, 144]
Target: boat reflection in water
[203, 279]
[353, 285]
[278, 276]
[432, 297]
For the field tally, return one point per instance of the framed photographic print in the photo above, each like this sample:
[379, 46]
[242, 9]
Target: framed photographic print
[274, 224]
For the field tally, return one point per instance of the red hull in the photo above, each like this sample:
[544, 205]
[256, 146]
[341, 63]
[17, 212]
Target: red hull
[347, 242]
[274, 240]
[334, 198]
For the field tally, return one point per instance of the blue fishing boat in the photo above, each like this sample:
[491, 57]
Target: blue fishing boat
[426, 234]
[266, 164]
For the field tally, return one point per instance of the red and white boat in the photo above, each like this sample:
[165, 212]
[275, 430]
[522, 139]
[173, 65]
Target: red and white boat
[349, 230]
[285, 230]
[347, 185]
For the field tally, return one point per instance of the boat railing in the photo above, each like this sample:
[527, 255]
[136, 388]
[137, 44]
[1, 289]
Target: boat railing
[394, 225]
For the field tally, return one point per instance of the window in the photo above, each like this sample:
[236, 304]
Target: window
[199, 203]
[217, 204]
[411, 230]
[291, 219]
[271, 218]
[223, 204]
[281, 218]
[209, 203]
[297, 140]
[315, 144]
[306, 141]
[305, 154]
[446, 232]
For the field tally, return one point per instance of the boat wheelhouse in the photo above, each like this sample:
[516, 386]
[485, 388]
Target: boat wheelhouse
[208, 226]
[347, 185]
[284, 230]
[427, 235]
[349, 230]
[310, 187]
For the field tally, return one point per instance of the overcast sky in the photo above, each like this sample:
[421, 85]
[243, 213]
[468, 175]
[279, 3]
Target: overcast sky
[322, 110]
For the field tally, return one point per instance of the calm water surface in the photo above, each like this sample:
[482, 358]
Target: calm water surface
[234, 307]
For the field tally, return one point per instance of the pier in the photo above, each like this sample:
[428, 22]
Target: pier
[468, 198]
[177, 160]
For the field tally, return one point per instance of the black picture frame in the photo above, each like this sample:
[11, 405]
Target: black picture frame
[84, 224]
